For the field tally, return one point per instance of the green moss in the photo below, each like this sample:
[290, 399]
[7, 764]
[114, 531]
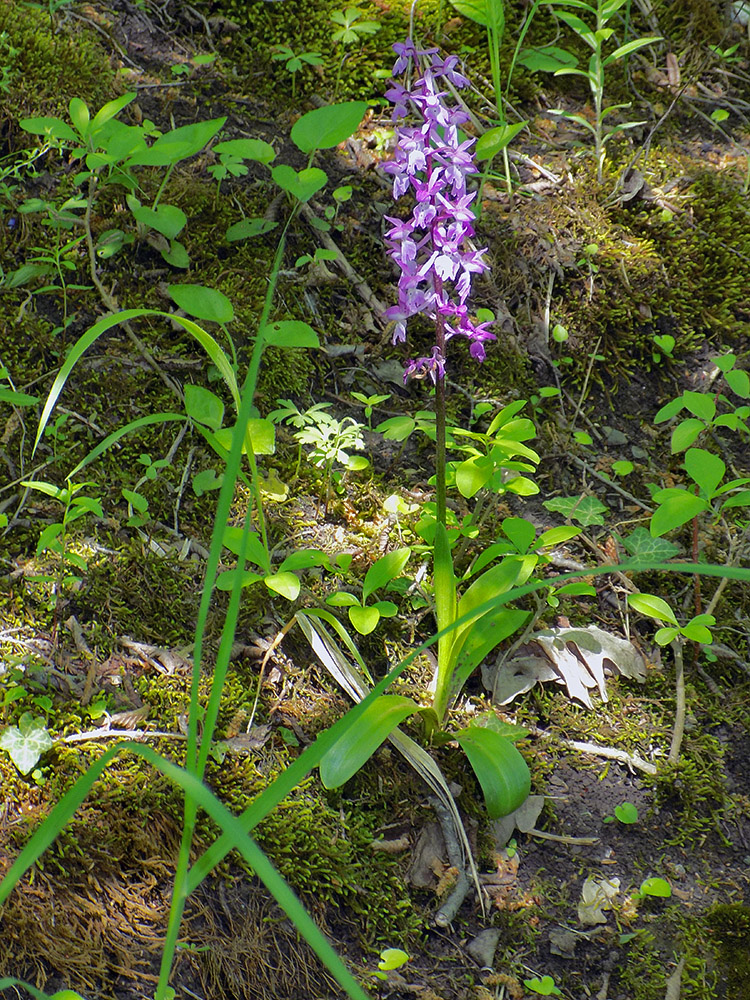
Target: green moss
[51, 66]
[728, 925]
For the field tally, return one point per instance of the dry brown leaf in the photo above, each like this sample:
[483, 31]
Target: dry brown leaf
[578, 658]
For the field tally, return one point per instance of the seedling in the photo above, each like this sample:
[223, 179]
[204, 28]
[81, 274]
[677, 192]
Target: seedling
[390, 958]
[626, 813]
[363, 616]
[293, 63]
[544, 987]
[658, 887]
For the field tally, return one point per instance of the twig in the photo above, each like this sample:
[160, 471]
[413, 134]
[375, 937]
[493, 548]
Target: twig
[679, 716]
[451, 906]
[129, 734]
[560, 839]
[610, 753]
[364, 290]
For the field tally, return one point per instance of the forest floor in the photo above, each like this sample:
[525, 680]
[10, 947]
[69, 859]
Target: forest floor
[112, 651]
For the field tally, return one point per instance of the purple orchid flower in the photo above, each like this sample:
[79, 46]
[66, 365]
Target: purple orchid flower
[433, 247]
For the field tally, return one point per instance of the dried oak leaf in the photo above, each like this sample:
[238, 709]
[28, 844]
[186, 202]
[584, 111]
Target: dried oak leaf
[579, 658]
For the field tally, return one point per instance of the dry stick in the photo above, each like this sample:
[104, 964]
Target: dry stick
[451, 906]
[679, 716]
[610, 753]
[364, 290]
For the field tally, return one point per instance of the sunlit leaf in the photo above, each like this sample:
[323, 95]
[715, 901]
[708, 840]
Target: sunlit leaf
[360, 742]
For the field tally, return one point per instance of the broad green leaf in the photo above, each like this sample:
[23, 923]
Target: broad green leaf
[302, 185]
[205, 481]
[580, 27]
[247, 228]
[247, 149]
[286, 584]
[396, 428]
[109, 110]
[364, 620]
[644, 547]
[556, 536]
[473, 474]
[26, 742]
[500, 768]
[656, 887]
[653, 607]
[324, 128]
[622, 468]
[521, 533]
[700, 404]
[204, 406]
[496, 139]
[677, 508]
[305, 559]
[497, 580]
[254, 552]
[290, 333]
[342, 599]
[741, 499]
[202, 302]
[360, 741]
[697, 633]
[226, 579]
[665, 342]
[169, 220]
[176, 255]
[739, 382]
[545, 986]
[626, 813]
[587, 510]
[53, 127]
[664, 636]
[669, 410]
[392, 958]
[704, 468]
[685, 433]
[387, 568]
[79, 115]
[547, 59]
[490, 13]
[262, 434]
[49, 489]
[386, 609]
[179, 144]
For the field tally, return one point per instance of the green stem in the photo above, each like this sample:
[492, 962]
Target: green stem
[440, 419]
[251, 379]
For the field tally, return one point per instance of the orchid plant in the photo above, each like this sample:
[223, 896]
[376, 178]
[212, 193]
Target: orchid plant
[437, 260]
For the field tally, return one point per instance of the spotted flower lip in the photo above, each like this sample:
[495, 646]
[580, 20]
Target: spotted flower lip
[432, 248]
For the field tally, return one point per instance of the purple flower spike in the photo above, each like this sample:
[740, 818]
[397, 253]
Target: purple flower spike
[433, 247]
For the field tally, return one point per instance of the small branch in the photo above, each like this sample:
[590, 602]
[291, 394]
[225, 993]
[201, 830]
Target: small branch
[452, 905]
[365, 292]
[679, 718]
[114, 734]
[610, 753]
[560, 839]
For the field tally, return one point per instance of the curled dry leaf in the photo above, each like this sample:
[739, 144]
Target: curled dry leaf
[596, 896]
[579, 658]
